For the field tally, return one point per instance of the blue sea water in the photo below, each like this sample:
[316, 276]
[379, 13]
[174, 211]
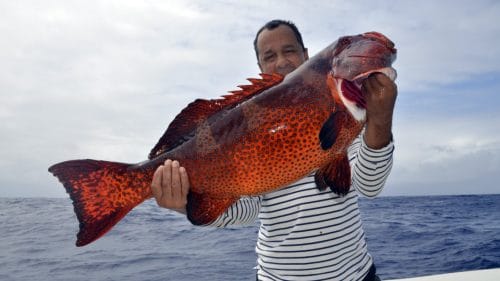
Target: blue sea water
[407, 236]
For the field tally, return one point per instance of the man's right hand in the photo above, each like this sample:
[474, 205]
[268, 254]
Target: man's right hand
[170, 186]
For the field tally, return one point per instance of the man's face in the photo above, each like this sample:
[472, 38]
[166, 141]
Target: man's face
[279, 51]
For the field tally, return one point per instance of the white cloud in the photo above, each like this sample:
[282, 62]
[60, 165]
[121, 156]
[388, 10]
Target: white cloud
[448, 155]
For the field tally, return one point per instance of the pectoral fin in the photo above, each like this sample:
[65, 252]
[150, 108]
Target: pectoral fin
[336, 175]
[203, 209]
[331, 129]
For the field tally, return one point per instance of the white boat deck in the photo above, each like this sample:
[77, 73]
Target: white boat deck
[475, 275]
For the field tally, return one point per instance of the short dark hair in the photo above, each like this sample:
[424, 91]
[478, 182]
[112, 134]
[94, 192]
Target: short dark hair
[274, 24]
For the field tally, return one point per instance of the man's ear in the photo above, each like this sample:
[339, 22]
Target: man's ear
[306, 54]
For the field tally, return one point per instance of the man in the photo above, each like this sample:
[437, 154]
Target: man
[305, 233]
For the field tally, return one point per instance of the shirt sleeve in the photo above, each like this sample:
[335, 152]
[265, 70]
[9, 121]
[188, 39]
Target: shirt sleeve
[243, 212]
[370, 168]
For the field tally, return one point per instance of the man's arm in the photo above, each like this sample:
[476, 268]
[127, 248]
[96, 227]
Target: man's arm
[380, 94]
[371, 154]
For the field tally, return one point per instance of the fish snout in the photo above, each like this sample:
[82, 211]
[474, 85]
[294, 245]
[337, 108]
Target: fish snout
[382, 38]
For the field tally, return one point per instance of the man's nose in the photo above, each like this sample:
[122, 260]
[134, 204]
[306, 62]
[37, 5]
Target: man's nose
[282, 62]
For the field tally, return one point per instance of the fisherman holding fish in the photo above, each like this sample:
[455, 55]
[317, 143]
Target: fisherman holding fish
[306, 232]
[292, 149]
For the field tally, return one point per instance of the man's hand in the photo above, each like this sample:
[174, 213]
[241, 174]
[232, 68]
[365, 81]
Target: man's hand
[380, 94]
[170, 186]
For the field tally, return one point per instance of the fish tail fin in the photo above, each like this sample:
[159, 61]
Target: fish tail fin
[102, 193]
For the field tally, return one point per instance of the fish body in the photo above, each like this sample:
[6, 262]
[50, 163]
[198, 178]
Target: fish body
[250, 142]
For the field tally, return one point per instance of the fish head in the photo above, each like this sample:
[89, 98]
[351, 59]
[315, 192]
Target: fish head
[354, 58]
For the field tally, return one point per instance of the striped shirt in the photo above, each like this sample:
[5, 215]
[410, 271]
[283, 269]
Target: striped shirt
[308, 234]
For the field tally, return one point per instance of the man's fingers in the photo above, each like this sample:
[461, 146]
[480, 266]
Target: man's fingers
[184, 182]
[176, 181]
[376, 86]
[386, 85]
[382, 79]
[368, 86]
[156, 184]
[170, 186]
[376, 80]
[166, 182]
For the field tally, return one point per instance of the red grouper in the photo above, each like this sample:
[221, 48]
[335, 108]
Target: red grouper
[254, 140]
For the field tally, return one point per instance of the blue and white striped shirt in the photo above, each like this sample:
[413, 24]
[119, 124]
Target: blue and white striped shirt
[308, 234]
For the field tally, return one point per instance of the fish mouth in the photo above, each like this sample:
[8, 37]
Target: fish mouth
[352, 92]
[388, 71]
[351, 89]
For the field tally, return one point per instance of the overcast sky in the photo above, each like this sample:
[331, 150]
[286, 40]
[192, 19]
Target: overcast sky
[102, 80]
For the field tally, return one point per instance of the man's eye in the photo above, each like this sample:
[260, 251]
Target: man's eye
[269, 57]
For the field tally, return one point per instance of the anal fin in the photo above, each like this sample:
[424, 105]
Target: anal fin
[203, 209]
[336, 175]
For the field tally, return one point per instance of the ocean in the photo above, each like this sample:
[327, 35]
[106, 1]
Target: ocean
[407, 236]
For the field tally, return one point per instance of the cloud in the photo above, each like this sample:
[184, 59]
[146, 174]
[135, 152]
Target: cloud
[448, 155]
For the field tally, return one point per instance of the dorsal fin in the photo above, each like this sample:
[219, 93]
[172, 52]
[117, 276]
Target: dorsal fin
[182, 127]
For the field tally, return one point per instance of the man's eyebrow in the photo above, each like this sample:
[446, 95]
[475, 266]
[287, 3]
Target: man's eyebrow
[288, 46]
[268, 51]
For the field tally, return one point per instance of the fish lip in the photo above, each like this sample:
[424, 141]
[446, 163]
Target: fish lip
[387, 71]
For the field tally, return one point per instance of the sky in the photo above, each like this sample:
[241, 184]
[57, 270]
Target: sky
[103, 79]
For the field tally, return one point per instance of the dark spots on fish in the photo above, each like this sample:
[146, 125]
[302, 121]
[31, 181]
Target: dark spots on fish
[234, 125]
[292, 95]
[181, 140]
[322, 65]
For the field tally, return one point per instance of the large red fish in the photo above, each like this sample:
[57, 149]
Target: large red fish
[252, 141]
